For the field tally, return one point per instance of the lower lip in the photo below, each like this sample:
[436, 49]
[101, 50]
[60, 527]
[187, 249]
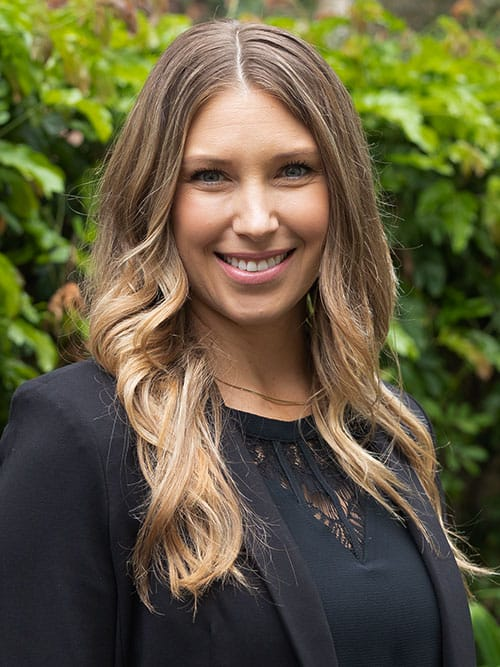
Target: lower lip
[253, 277]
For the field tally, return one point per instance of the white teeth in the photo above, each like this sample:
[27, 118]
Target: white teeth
[253, 266]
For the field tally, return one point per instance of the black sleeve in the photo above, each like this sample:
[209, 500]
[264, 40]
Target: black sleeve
[57, 587]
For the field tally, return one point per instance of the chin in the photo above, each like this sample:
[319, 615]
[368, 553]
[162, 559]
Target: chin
[265, 318]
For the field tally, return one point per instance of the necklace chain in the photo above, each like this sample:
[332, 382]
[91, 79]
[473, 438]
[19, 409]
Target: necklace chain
[272, 399]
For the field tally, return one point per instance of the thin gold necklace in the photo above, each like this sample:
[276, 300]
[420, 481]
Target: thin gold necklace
[272, 399]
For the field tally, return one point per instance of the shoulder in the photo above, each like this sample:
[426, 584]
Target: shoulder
[411, 403]
[71, 411]
[82, 391]
[80, 383]
[69, 446]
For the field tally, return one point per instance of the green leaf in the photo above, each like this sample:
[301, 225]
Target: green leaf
[458, 307]
[14, 371]
[23, 333]
[472, 160]
[28, 310]
[437, 163]
[401, 342]
[487, 634]
[474, 348]
[97, 114]
[51, 246]
[33, 166]
[430, 271]
[10, 288]
[447, 212]
[401, 109]
[19, 195]
[65, 97]
[491, 208]
[489, 593]
[489, 346]
[58, 255]
[11, 220]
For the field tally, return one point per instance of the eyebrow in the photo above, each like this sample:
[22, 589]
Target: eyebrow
[301, 153]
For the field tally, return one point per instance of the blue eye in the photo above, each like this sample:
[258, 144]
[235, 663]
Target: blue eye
[208, 176]
[295, 170]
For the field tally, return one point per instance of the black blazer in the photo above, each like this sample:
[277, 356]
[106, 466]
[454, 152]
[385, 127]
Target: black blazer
[70, 492]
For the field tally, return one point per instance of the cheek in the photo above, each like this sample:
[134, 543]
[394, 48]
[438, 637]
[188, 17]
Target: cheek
[186, 227]
[322, 213]
[195, 224]
[312, 215]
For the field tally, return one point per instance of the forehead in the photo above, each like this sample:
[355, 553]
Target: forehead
[240, 116]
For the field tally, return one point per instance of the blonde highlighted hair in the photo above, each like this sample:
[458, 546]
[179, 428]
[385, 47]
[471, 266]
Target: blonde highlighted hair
[194, 522]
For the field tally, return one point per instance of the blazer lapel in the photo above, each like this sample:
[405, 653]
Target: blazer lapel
[280, 563]
[456, 627]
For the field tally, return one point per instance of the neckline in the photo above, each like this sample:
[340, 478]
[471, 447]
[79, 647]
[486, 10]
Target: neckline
[267, 428]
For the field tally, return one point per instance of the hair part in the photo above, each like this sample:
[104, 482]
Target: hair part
[194, 521]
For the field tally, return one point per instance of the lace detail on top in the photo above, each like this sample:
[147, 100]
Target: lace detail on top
[294, 459]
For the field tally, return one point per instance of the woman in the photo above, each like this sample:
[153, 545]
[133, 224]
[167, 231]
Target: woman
[228, 482]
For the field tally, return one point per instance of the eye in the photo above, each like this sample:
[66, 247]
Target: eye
[295, 170]
[208, 176]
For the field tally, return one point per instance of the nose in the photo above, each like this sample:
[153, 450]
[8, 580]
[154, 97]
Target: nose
[254, 212]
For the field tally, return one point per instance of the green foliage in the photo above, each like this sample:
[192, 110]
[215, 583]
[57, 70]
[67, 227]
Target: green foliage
[67, 77]
[429, 105]
[487, 633]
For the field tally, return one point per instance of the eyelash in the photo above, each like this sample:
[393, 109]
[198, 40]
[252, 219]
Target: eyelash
[303, 165]
[199, 172]
[196, 175]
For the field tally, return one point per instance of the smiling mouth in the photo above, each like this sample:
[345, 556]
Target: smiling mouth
[254, 265]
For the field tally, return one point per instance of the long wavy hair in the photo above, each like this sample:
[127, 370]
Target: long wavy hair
[194, 521]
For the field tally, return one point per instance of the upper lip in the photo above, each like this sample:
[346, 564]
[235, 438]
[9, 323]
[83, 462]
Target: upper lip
[256, 255]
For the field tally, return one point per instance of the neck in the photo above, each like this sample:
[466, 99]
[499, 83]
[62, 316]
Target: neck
[272, 361]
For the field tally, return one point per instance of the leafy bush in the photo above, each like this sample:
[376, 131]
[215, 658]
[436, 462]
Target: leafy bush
[67, 77]
[430, 109]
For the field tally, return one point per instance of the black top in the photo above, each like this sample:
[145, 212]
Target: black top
[377, 595]
[70, 497]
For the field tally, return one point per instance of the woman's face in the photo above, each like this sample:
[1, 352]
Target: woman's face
[250, 212]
